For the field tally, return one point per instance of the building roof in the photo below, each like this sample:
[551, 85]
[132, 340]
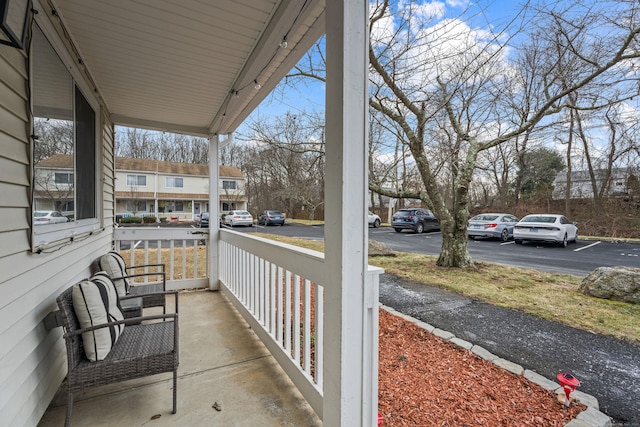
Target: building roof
[148, 165]
[57, 161]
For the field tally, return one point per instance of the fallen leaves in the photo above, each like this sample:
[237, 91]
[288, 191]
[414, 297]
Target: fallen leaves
[426, 381]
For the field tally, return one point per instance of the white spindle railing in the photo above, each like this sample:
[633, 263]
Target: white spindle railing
[279, 290]
[175, 247]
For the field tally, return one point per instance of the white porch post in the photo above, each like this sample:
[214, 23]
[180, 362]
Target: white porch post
[348, 400]
[214, 226]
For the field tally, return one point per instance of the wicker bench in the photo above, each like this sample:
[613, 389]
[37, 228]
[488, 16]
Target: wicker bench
[152, 292]
[148, 346]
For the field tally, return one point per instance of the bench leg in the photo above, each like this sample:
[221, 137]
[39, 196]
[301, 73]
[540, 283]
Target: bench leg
[67, 420]
[175, 390]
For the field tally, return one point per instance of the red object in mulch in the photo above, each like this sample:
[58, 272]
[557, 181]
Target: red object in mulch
[569, 384]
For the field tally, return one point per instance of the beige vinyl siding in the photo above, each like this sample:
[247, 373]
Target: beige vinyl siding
[108, 190]
[33, 359]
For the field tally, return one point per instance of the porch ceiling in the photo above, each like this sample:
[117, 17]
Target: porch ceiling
[188, 66]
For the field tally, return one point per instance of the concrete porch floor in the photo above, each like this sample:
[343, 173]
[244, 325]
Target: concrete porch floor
[221, 360]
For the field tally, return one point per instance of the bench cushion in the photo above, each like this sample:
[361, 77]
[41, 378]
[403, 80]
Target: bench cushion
[113, 264]
[95, 301]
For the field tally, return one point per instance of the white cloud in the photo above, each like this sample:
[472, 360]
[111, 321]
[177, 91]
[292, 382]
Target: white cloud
[458, 3]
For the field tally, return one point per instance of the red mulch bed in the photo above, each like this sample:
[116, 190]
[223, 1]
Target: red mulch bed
[426, 381]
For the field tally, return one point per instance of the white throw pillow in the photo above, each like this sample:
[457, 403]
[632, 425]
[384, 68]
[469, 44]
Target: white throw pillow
[95, 302]
[113, 264]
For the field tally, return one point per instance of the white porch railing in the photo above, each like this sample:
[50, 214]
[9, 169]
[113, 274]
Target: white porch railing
[279, 289]
[175, 247]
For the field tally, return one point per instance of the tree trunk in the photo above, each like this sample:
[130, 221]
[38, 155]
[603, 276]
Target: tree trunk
[454, 251]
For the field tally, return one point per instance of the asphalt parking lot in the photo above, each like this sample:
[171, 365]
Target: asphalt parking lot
[577, 259]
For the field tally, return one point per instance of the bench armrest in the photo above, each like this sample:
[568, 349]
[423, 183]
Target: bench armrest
[174, 293]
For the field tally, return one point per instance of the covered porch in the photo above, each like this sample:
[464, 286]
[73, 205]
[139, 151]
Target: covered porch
[196, 68]
[221, 361]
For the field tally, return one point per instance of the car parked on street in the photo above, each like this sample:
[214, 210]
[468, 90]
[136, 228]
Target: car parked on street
[373, 220]
[48, 217]
[204, 220]
[492, 225]
[545, 228]
[238, 217]
[417, 220]
[271, 217]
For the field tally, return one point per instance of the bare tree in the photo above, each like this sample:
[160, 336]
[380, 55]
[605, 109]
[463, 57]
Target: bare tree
[283, 162]
[424, 83]
[144, 144]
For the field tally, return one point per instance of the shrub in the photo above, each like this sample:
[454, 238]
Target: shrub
[150, 219]
[163, 219]
[131, 220]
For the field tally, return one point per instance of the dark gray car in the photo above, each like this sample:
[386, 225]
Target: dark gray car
[417, 220]
[271, 217]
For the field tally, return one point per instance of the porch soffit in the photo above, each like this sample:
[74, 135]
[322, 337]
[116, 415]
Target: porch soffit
[188, 66]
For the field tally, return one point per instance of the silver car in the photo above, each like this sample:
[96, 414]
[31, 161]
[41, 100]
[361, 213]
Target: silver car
[545, 228]
[495, 225]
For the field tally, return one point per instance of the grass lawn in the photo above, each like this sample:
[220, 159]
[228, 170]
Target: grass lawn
[547, 295]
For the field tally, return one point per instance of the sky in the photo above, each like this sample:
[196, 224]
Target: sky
[479, 16]
[310, 96]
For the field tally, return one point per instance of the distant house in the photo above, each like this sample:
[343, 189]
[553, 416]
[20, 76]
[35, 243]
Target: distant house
[620, 183]
[53, 184]
[173, 190]
[143, 187]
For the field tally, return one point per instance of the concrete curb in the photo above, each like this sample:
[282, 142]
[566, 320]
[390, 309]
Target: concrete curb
[591, 417]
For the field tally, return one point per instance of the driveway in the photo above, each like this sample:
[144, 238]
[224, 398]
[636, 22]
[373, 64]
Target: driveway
[607, 368]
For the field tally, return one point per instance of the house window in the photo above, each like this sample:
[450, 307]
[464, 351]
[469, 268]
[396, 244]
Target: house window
[65, 207]
[63, 178]
[228, 185]
[176, 206]
[173, 182]
[136, 206]
[136, 180]
[65, 155]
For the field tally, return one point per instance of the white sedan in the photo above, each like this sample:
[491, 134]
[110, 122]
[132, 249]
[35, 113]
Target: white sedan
[545, 228]
[48, 217]
[234, 218]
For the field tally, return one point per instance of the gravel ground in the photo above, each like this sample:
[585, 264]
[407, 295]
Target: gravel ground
[607, 368]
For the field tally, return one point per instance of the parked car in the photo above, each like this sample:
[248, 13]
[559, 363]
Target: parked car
[204, 220]
[238, 217]
[545, 228]
[270, 217]
[48, 217]
[417, 220]
[373, 219]
[496, 225]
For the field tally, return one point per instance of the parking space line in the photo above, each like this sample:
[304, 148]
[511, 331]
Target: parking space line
[508, 243]
[588, 246]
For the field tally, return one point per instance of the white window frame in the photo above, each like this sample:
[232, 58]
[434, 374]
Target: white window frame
[129, 203]
[69, 175]
[137, 178]
[46, 236]
[226, 182]
[171, 181]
